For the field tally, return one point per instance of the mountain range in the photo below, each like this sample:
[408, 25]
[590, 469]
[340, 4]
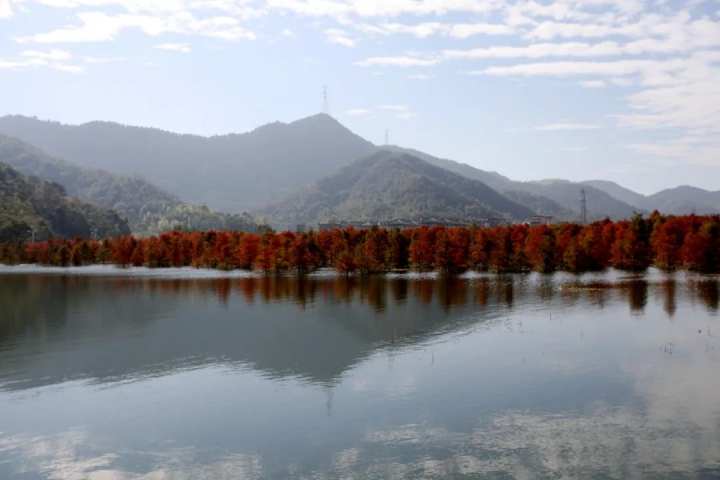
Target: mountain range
[147, 208]
[389, 186]
[30, 207]
[306, 171]
[681, 200]
[231, 173]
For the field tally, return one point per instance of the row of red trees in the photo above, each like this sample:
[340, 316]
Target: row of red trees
[669, 243]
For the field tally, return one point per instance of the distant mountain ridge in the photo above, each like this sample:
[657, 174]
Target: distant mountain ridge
[249, 171]
[147, 208]
[557, 198]
[245, 170]
[681, 200]
[389, 185]
[30, 207]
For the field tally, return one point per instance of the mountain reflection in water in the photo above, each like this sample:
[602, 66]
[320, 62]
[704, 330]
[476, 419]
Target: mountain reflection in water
[599, 376]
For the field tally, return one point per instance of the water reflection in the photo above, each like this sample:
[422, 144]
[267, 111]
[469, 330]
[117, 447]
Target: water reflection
[355, 315]
[326, 377]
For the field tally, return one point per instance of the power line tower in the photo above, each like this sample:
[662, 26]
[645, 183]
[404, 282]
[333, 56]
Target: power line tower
[326, 103]
[583, 206]
[387, 137]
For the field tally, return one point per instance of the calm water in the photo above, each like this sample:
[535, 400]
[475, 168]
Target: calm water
[107, 377]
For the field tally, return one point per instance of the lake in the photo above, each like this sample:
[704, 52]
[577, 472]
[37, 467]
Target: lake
[143, 377]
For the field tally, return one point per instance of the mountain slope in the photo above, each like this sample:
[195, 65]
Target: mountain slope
[682, 200]
[556, 198]
[567, 194]
[147, 208]
[387, 186]
[685, 200]
[623, 194]
[29, 204]
[245, 170]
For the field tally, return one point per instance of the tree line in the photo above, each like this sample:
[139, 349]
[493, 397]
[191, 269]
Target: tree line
[667, 242]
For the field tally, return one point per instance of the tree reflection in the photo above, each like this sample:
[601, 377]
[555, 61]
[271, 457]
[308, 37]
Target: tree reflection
[708, 292]
[669, 288]
[637, 295]
[352, 315]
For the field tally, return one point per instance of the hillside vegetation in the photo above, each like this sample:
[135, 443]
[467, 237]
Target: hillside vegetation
[147, 208]
[231, 173]
[29, 204]
[390, 186]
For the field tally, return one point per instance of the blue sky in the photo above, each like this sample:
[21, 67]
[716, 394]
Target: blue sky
[626, 90]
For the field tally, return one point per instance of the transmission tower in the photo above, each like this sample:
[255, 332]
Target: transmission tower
[387, 137]
[583, 206]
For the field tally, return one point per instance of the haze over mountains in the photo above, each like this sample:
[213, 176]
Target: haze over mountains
[231, 173]
[147, 208]
[391, 186]
[310, 170]
[32, 207]
[681, 200]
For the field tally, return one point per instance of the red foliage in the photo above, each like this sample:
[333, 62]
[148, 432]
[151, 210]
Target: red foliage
[689, 242]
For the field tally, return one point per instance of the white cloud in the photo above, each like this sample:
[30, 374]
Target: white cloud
[175, 47]
[52, 55]
[103, 27]
[59, 60]
[428, 29]
[341, 9]
[585, 68]
[5, 9]
[565, 127]
[401, 61]
[573, 49]
[239, 9]
[339, 37]
[287, 33]
[666, 51]
[690, 149]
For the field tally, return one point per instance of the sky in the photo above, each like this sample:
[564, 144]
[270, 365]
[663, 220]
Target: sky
[623, 90]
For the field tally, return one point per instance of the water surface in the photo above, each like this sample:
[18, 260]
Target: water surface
[124, 377]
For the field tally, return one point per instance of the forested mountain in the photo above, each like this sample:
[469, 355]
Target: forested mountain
[147, 208]
[682, 200]
[685, 200]
[239, 172]
[229, 172]
[623, 194]
[567, 194]
[557, 198]
[29, 204]
[388, 186]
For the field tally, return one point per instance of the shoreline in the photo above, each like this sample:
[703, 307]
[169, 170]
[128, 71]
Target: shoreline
[110, 270]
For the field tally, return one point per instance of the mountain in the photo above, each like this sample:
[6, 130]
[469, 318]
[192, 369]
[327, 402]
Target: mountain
[247, 171]
[567, 194]
[685, 200]
[147, 208]
[388, 186]
[682, 200]
[623, 194]
[233, 172]
[557, 198]
[28, 204]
